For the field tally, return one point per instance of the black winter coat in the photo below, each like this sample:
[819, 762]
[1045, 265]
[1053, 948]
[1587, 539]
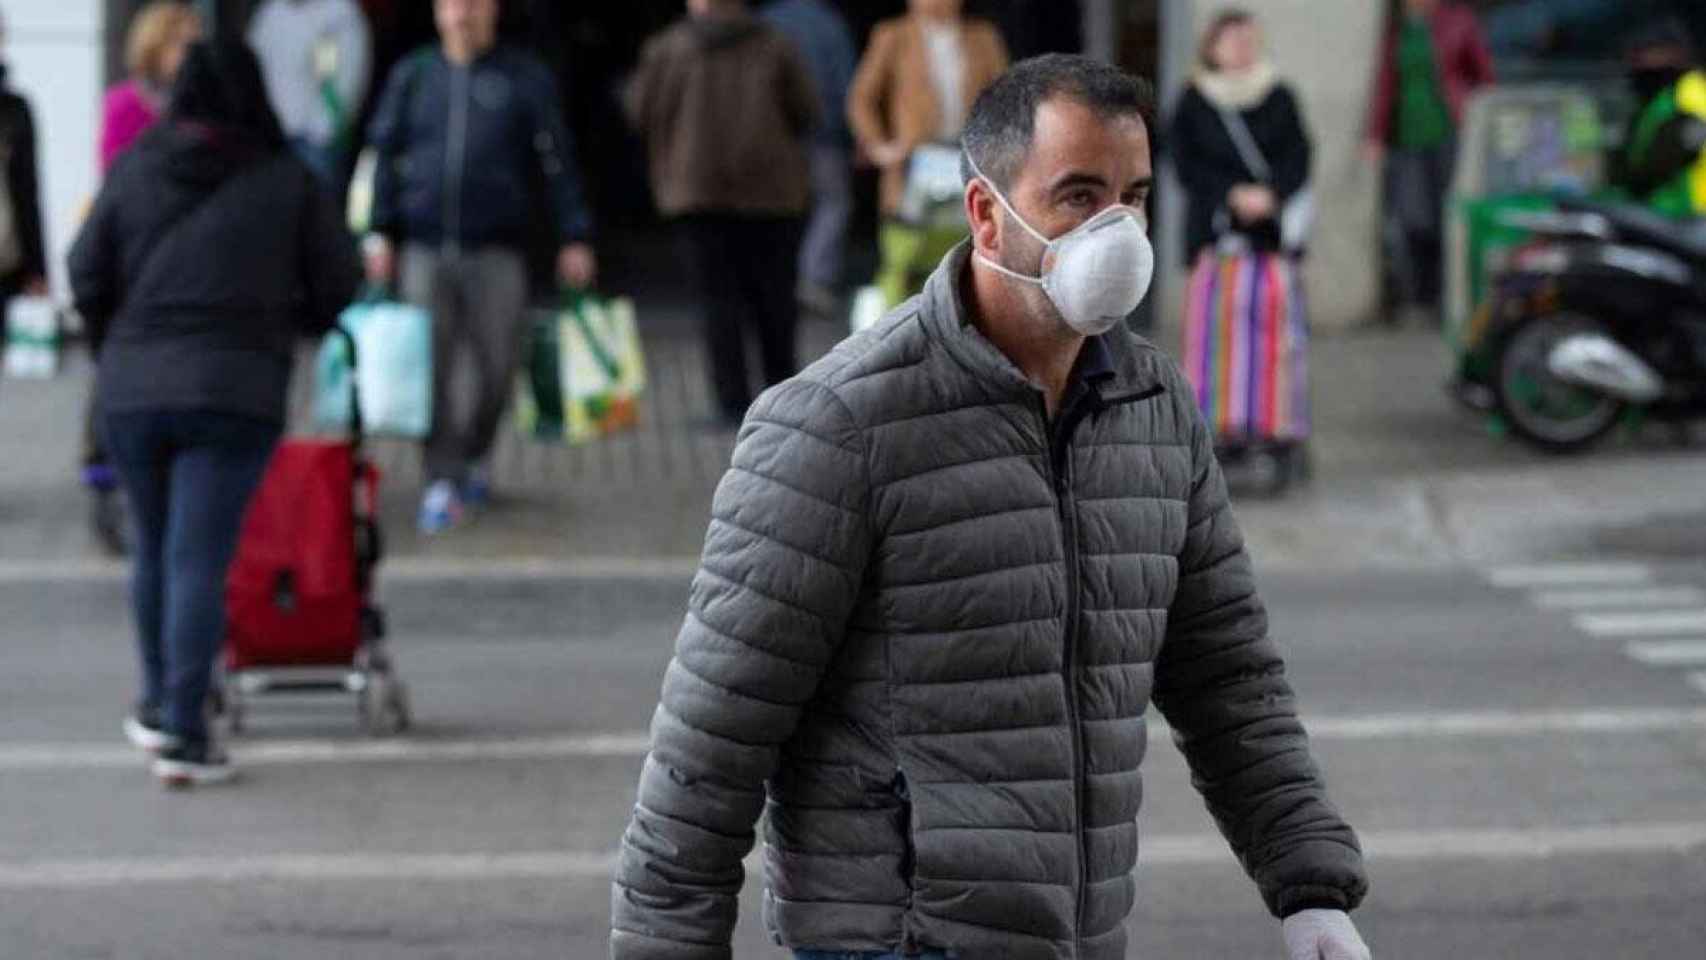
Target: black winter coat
[18, 150]
[1208, 163]
[204, 259]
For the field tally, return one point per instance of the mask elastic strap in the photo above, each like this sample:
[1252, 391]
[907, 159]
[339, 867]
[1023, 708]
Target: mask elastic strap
[1003, 200]
[998, 268]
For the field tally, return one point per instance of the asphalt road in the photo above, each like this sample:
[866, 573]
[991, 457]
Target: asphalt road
[1527, 786]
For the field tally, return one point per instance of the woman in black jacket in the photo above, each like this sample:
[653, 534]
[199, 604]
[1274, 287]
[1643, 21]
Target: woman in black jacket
[1236, 96]
[209, 252]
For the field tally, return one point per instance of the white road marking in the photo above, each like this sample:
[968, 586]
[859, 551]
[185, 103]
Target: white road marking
[297, 752]
[1651, 623]
[1668, 653]
[1589, 599]
[1698, 681]
[433, 570]
[1497, 723]
[406, 570]
[85, 874]
[1570, 575]
[633, 744]
[1519, 844]
[1186, 849]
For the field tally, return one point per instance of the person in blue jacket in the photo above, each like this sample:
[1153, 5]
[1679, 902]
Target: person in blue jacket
[472, 150]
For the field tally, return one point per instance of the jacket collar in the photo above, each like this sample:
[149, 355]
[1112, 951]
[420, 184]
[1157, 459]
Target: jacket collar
[1110, 363]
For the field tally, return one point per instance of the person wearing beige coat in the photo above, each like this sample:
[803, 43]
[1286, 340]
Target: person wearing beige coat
[916, 85]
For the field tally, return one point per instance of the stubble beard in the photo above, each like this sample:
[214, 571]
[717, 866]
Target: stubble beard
[1047, 321]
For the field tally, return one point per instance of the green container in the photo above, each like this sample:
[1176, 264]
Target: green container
[1489, 241]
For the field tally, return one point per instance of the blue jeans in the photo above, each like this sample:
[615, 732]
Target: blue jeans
[861, 955]
[189, 476]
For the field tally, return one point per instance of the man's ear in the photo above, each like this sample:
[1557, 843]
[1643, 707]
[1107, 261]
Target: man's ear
[983, 214]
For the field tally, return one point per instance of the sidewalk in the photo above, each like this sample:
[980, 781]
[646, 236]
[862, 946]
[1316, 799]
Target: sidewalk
[1403, 478]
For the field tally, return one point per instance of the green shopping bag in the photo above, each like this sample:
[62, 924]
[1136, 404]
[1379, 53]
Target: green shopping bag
[585, 371]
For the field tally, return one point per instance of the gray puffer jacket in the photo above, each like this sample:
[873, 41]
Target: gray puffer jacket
[925, 632]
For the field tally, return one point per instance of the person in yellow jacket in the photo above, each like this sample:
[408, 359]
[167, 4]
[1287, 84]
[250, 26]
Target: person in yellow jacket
[1664, 164]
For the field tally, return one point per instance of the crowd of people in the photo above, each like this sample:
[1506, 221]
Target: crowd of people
[217, 242]
[472, 162]
[218, 238]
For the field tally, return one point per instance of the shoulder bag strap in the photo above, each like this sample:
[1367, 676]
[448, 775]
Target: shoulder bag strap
[1245, 142]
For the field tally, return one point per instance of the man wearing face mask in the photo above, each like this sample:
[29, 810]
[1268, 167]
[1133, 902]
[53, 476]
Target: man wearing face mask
[950, 567]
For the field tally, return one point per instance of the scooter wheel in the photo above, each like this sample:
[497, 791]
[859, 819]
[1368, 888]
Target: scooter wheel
[1548, 413]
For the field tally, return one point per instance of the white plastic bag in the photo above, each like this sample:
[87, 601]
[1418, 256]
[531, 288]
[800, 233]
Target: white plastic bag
[869, 305]
[32, 338]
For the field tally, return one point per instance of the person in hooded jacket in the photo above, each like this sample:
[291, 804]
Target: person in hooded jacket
[210, 251]
[727, 110]
[1237, 85]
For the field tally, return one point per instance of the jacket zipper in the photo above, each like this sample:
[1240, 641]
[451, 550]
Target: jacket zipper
[1058, 464]
[1061, 479]
[1074, 611]
[456, 159]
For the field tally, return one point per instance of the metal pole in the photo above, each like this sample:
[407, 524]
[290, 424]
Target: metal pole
[1101, 29]
[1177, 26]
[209, 10]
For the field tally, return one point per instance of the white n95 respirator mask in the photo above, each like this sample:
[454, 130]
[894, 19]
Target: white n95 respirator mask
[1095, 274]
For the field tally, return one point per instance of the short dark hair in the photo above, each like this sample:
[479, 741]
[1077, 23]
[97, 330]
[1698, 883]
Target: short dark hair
[1002, 125]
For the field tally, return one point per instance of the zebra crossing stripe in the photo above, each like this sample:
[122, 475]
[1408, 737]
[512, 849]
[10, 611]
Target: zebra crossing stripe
[1651, 623]
[1570, 575]
[63, 757]
[1592, 600]
[1682, 838]
[1668, 653]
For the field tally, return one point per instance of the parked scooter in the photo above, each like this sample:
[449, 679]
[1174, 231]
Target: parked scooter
[1603, 312]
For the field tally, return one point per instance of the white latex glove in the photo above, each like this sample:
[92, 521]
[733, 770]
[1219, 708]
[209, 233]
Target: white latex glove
[1322, 935]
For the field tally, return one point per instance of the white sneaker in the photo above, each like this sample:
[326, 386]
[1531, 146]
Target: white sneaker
[144, 733]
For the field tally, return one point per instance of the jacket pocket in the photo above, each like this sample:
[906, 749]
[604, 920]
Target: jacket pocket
[904, 816]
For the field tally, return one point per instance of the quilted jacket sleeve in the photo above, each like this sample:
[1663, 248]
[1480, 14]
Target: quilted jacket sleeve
[782, 567]
[1220, 682]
